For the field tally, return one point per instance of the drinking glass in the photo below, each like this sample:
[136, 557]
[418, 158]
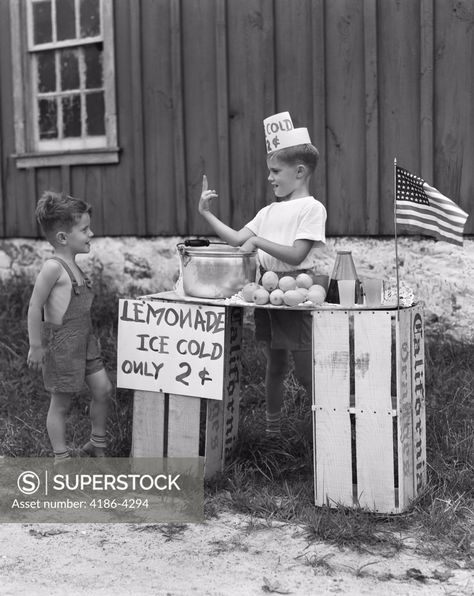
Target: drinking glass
[346, 289]
[373, 292]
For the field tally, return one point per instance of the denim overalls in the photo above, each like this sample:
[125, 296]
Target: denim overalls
[72, 351]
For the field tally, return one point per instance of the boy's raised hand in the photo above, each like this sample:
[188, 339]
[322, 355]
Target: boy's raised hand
[206, 196]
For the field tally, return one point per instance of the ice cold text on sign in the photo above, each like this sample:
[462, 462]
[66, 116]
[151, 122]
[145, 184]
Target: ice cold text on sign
[171, 348]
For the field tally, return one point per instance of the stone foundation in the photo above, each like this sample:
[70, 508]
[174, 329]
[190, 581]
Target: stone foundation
[440, 274]
[129, 265]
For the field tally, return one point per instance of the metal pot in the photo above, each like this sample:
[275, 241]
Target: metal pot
[214, 269]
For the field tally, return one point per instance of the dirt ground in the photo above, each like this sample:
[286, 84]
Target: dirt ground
[229, 555]
[235, 554]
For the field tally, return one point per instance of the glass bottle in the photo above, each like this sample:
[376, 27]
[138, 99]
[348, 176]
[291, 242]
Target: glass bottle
[344, 268]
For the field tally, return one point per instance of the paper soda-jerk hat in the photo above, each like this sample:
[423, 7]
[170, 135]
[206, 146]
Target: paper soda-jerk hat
[280, 132]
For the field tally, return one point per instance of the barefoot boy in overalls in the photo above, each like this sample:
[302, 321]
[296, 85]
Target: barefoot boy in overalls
[62, 344]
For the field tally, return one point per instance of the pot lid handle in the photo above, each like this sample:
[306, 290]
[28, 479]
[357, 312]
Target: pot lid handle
[197, 242]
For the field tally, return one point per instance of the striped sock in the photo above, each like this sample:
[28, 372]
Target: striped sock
[96, 446]
[273, 423]
[61, 455]
[99, 441]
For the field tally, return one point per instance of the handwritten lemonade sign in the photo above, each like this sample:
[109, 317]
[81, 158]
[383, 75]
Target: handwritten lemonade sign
[171, 348]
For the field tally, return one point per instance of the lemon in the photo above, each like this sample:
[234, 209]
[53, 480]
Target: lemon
[248, 291]
[276, 297]
[287, 283]
[303, 292]
[292, 297]
[303, 280]
[269, 280]
[261, 296]
[317, 294]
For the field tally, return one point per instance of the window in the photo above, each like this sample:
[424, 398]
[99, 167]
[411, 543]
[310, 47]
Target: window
[63, 68]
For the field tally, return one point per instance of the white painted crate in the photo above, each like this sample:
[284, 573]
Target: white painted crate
[369, 408]
[168, 425]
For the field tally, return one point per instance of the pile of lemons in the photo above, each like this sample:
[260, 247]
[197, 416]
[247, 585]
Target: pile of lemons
[287, 290]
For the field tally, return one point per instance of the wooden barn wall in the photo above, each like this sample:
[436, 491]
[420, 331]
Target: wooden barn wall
[371, 79]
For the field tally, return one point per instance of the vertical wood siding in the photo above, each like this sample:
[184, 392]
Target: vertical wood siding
[371, 79]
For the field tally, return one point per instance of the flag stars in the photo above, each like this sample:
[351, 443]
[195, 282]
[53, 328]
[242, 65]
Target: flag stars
[410, 188]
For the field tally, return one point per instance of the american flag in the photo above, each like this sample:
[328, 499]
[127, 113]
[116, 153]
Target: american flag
[421, 209]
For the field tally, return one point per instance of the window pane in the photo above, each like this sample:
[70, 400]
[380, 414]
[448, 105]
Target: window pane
[90, 18]
[93, 60]
[46, 72]
[71, 116]
[69, 62]
[42, 26]
[48, 121]
[95, 113]
[65, 20]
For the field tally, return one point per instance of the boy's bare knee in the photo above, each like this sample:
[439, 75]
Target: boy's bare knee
[60, 402]
[62, 409]
[103, 393]
[108, 391]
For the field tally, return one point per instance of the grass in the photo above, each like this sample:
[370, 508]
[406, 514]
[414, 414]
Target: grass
[275, 484]
[23, 400]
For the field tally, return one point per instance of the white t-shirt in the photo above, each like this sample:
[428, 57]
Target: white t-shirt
[287, 221]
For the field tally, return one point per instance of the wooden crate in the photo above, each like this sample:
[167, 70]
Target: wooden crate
[369, 408]
[168, 425]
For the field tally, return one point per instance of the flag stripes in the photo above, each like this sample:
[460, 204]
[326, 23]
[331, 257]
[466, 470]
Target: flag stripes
[422, 209]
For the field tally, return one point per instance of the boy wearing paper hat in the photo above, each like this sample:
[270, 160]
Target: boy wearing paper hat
[287, 235]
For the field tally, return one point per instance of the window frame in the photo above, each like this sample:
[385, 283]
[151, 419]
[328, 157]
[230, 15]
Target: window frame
[27, 154]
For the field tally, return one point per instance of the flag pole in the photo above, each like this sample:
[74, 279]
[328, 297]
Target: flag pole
[396, 237]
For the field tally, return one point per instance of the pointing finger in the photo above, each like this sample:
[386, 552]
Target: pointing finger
[204, 183]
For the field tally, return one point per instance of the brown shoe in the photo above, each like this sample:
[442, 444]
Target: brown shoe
[90, 450]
